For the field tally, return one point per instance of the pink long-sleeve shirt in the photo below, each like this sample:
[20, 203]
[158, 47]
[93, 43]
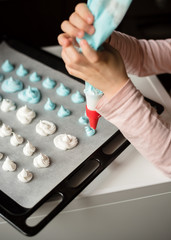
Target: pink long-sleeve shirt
[128, 110]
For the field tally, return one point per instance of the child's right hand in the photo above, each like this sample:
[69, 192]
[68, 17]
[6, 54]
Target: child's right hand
[79, 22]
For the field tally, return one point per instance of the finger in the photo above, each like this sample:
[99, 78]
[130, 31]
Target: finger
[82, 10]
[68, 28]
[76, 58]
[72, 68]
[74, 72]
[91, 55]
[77, 21]
[64, 39]
[65, 57]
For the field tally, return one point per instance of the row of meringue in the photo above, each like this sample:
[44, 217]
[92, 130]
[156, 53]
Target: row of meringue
[41, 161]
[25, 115]
[44, 128]
[23, 176]
[33, 95]
[6, 130]
[16, 139]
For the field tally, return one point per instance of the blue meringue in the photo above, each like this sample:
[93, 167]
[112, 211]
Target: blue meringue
[34, 77]
[21, 71]
[30, 95]
[63, 90]
[49, 83]
[7, 66]
[49, 105]
[63, 112]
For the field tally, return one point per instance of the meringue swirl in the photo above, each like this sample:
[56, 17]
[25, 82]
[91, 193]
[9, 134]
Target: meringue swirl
[9, 165]
[63, 112]
[65, 141]
[7, 66]
[41, 161]
[21, 71]
[49, 105]
[25, 115]
[34, 77]
[30, 95]
[5, 130]
[25, 176]
[16, 139]
[28, 149]
[83, 120]
[45, 128]
[90, 131]
[7, 105]
[11, 85]
[77, 97]
[49, 83]
[63, 90]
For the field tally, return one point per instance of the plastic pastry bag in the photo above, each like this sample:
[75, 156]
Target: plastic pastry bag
[107, 16]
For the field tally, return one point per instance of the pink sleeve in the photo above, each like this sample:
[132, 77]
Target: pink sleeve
[140, 124]
[143, 57]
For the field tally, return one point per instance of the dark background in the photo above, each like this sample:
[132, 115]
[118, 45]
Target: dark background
[37, 22]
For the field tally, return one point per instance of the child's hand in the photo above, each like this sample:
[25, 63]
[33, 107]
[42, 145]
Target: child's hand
[79, 22]
[104, 70]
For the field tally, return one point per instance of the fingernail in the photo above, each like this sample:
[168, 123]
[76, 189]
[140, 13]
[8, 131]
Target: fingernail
[83, 42]
[91, 30]
[80, 34]
[90, 19]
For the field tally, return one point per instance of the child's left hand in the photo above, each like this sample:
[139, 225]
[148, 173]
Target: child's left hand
[104, 70]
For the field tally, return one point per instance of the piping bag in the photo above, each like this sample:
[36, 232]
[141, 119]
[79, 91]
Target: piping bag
[107, 16]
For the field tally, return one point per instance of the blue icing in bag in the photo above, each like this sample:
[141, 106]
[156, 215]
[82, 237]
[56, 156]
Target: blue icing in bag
[107, 16]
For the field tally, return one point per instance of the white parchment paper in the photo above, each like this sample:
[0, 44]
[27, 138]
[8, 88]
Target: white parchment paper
[62, 162]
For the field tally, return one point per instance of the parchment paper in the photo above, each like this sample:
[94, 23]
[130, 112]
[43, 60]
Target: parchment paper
[62, 162]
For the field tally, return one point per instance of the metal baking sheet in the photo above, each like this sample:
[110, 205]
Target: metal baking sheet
[62, 162]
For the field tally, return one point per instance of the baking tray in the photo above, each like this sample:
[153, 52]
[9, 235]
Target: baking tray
[70, 171]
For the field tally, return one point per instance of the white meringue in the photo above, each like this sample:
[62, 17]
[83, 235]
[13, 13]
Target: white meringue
[25, 115]
[16, 139]
[25, 176]
[65, 141]
[7, 105]
[9, 165]
[28, 149]
[1, 155]
[41, 161]
[45, 128]
[5, 130]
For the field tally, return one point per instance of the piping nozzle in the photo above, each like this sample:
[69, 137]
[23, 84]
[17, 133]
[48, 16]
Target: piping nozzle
[93, 117]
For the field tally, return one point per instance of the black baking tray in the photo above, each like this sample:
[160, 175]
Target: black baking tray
[77, 180]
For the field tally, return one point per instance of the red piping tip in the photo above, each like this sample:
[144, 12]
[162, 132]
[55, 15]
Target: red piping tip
[93, 117]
